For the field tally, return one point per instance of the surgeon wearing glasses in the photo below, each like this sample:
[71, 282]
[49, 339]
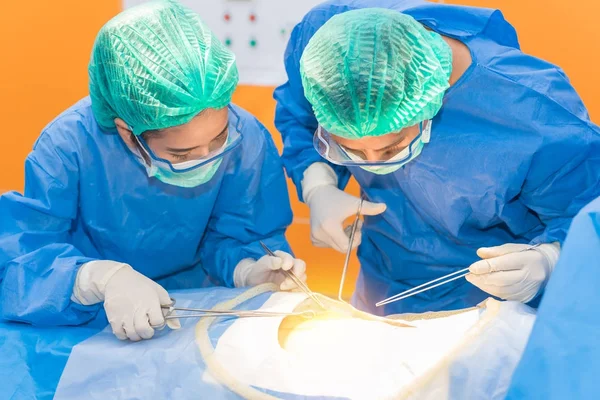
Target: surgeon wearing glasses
[156, 181]
[468, 152]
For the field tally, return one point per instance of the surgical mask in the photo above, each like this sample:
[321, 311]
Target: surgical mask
[399, 160]
[189, 179]
[191, 173]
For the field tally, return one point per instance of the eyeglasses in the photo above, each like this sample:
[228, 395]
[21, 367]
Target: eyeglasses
[332, 151]
[234, 138]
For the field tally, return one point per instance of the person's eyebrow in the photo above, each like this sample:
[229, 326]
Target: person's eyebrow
[188, 149]
[223, 131]
[402, 137]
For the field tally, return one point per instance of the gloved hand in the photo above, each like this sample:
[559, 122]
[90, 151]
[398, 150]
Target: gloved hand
[512, 272]
[330, 206]
[250, 272]
[131, 300]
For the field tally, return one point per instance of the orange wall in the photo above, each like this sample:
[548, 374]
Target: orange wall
[45, 48]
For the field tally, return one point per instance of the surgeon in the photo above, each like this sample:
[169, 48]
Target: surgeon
[468, 152]
[156, 181]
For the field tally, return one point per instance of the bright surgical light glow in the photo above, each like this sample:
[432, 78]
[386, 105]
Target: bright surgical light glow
[342, 352]
[374, 358]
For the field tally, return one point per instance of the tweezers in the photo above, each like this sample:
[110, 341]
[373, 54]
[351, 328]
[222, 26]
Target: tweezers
[290, 274]
[434, 283]
[349, 251]
[201, 312]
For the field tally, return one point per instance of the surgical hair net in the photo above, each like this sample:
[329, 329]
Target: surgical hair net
[158, 65]
[374, 71]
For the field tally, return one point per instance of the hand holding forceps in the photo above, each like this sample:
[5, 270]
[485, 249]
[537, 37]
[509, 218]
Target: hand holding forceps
[201, 312]
[290, 274]
[437, 282]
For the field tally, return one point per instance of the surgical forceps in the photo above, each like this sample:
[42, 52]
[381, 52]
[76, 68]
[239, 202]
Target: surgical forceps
[201, 312]
[426, 286]
[290, 274]
[349, 251]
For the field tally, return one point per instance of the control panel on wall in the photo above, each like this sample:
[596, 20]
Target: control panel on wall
[257, 31]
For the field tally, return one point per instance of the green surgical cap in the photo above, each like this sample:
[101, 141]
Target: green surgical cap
[157, 65]
[373, 71]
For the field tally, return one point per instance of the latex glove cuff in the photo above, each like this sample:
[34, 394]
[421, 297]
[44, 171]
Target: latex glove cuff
[316, 175]
[551, 252]
[241, 271]
[91, 280]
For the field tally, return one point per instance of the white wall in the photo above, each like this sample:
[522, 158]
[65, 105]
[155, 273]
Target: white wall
[257, 31]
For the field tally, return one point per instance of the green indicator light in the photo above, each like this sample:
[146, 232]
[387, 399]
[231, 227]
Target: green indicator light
[227, 42]
[253, 43]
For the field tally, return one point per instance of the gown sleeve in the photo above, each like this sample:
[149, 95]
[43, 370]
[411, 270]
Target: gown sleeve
[252, 206]
[564, 171]
[38, 263]
[294, 116]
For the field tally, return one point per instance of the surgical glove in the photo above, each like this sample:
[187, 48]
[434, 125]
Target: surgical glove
[330, 206]
[512, 272]
[250, 272]
[131, 300]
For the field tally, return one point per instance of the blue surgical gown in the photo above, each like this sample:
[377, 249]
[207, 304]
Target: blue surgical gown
[513, 157]
[87, 198]
[562, 357]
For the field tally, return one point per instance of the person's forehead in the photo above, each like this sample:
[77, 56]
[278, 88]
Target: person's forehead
[372, 142]
[208, 119]
[202, 128]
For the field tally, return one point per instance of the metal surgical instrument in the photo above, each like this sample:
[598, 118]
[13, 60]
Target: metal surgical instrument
[200, 312]
[349, 251]
[434, 283]
[290, 274]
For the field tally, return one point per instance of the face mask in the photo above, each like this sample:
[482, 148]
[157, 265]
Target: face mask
[409, 154]
[188, 179]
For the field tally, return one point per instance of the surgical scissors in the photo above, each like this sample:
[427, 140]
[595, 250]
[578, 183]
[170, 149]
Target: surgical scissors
[349, 251]
[290, 274]
[426, 286]
[201, 312]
